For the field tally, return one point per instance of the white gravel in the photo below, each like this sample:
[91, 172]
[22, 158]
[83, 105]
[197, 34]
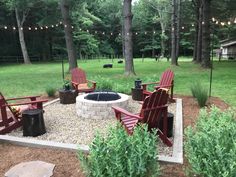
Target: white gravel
[63, 125]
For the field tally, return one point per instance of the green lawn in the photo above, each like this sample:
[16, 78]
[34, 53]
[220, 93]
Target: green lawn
[20, 80]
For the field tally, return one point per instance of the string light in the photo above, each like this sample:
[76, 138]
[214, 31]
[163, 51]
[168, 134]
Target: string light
[232, 21]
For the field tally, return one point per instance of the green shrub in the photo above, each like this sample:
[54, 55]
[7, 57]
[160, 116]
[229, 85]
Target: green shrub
[50, 91]
[211, 146]
[104, 84]
[120, 154]
[200, 93]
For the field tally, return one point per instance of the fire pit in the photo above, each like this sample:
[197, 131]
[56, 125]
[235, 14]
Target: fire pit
[102, 96]
[97, 105]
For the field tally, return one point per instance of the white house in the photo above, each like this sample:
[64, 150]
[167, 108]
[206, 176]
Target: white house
[228, 48]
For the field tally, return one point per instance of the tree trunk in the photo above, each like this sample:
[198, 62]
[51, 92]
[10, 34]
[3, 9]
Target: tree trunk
[163, 40]
[153, 43]
[129, 65]
[199, 40]
[206, 41]
[178, 27]
[196, 24]
[22, 38]
[68, 34]
[174, 34]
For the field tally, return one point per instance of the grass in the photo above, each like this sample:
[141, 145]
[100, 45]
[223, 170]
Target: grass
[21, 80]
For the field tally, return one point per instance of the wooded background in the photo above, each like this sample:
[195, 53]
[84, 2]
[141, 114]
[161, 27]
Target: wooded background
[97, 27]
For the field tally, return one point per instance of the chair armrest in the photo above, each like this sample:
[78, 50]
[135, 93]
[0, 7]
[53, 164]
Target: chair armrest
[122, 111]
[149, 83]
[19, 98]
[163, 86]
[75, 84]
[25, 103]
[93, 82]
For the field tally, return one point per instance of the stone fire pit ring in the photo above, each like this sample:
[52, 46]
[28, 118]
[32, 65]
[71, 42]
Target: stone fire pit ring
[89, 109]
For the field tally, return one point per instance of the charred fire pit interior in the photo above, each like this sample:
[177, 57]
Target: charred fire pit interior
[103, 96]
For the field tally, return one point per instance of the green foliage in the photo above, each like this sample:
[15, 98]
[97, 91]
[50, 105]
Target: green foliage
[211, 147]
[200, 93]
[104, 84]
[67, 85]
[120, 154]
[50, 91]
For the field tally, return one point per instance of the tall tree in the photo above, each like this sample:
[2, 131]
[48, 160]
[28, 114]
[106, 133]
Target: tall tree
[174, 32]
[68, 34]
[127, 13]
[163, 8]
[206, 41]
[21, 9]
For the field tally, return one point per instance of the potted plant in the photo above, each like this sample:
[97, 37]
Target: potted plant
[67, 94]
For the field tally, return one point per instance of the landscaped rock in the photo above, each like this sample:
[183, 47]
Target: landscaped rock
[31, 169]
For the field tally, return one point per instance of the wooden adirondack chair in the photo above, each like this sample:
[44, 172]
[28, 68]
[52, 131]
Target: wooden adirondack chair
[79, 81]
[10, 118]
[166, 81]
[154, 106]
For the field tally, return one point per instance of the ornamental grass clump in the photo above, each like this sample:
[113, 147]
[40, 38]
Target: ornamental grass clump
[105, 84]
[211, 146]
[200, 93]
[50, 91]
[119, 154]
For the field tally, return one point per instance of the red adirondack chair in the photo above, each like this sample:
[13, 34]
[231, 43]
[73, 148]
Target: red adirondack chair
[79, 81]
[153, 108]
[10, 117]
[166, 81]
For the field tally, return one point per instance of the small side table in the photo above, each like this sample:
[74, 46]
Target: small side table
[33, 122]
[67, 96]
[170, 121]
[137, 94]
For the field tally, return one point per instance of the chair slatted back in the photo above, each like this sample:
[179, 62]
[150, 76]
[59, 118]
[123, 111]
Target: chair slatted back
[166, 78]
[153, 107]
[4, 102]
[78, 76]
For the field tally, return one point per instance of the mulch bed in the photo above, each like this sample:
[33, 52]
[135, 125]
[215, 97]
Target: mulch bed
[67, 164]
